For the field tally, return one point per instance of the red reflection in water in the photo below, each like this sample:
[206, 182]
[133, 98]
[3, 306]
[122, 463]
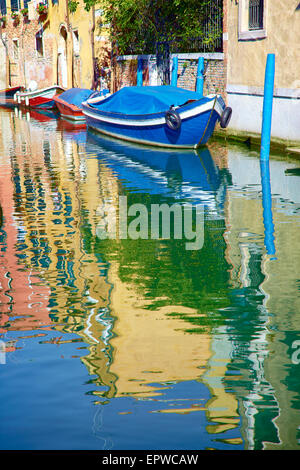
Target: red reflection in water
[21, 294]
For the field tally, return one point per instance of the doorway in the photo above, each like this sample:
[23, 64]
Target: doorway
[62, 67]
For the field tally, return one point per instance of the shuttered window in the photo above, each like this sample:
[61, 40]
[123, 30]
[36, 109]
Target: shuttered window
[256, 14]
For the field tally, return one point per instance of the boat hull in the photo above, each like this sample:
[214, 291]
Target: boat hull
[197, 125]
[69, 103]
[70, 112]
[9, 92]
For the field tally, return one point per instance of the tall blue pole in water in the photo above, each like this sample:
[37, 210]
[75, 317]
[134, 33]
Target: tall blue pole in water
[267, 108]
[174, 71]
[200, 76]
[265, 154]
[139, 78]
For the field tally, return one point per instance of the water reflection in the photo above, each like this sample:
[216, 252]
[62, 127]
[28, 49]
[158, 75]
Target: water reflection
[267, 206]
[202, 336]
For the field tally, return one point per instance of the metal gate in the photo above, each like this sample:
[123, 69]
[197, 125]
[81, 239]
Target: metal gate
[163, 62]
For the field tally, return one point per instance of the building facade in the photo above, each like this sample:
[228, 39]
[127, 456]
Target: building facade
[49, 44]
[253, 29]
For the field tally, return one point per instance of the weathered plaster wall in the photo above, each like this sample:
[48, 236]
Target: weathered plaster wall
[24, 64]
[67, 46]
[3, 66]
[77, 60]
[246, 58]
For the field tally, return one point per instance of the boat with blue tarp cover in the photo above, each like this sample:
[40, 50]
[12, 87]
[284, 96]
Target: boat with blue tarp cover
[69, 103]
[164, 116]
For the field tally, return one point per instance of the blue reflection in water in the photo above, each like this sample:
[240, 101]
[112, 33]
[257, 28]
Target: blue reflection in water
[267, 206]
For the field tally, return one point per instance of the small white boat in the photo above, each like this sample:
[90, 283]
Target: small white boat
[42, 98]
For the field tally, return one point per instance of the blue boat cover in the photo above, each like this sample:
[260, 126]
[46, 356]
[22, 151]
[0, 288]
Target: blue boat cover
[76, 96]
[146, 99]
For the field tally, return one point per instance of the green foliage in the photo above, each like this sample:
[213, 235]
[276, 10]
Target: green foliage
[89, 4]
[72, 5]
[137, 25]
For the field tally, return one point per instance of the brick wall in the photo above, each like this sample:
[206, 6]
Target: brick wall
[127, 72]
[214, 80]
[25, 62]
[215, 71]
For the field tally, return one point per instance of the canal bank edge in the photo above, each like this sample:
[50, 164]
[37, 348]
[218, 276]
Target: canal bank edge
[253, 139]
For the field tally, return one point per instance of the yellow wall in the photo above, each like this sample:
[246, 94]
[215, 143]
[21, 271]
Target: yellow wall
[247, 58]
[63, 21]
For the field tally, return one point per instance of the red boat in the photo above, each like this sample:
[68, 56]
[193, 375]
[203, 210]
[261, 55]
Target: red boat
[41, 99]
[6, 96]
[9, 92]
[69, 103]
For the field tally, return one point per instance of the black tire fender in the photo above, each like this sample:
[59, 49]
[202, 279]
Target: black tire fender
[226, 116]
[173, 120]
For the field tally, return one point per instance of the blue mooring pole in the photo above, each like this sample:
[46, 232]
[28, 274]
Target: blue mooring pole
[200, 76]
[174, 71]
[139, 77]
[267, 108]
[265, 154]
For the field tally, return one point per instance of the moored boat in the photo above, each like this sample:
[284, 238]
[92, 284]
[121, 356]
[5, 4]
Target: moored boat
[42, 98]
[164, 116]
[69, 103]
[9, 92]
[7, 96]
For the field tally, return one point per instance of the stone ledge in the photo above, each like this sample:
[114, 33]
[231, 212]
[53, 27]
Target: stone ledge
[187, 56]
[252, 35]
[253, 140]
[292, 93]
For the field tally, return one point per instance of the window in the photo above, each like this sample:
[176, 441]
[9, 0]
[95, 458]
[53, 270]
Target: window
[256, 14]
[3, 7]
[76, 42]
[15, 5]
[16, 48]
[252, 19]
[39, 44]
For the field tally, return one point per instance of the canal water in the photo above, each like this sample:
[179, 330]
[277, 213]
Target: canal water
[129, 340]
